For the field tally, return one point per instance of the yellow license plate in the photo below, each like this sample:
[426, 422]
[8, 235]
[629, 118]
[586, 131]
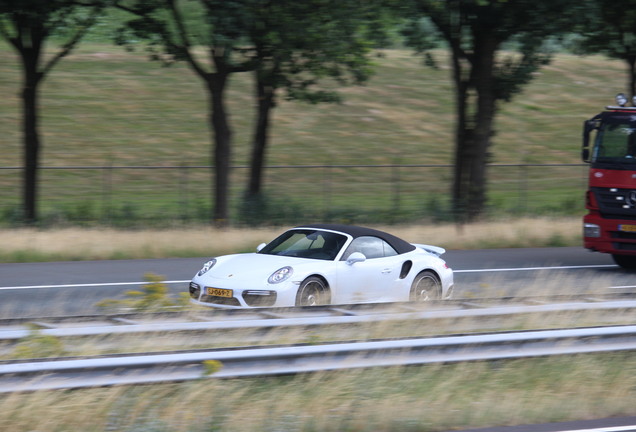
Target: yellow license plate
[219, 292]
[627, 228]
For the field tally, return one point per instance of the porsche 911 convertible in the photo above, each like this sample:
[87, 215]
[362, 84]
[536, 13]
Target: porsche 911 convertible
[325, 264]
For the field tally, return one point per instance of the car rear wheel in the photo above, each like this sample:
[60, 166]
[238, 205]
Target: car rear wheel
[313, 291]
[426, 287]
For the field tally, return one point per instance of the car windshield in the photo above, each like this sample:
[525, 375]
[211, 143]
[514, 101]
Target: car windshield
[306, 243]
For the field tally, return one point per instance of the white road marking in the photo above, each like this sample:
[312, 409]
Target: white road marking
[102, 284]
[604, 429]
[534, 268]
[87, 285]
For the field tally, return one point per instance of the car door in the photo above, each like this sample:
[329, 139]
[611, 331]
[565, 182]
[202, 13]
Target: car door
[371, 280]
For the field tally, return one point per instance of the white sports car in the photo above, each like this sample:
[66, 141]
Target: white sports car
[325, 264]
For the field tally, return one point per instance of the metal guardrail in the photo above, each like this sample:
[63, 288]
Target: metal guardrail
[235, 363]
[304, 317]
[267, 318]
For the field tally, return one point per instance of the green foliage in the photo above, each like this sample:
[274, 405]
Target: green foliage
[607, 27]
[610, 28]
[37, 345]
[469, 26]
[153, 297]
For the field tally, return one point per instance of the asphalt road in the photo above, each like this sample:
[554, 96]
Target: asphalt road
[73, 288]
[617, 424]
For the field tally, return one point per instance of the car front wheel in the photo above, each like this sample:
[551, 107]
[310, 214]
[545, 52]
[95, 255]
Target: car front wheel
[426, 287]
[312, 292]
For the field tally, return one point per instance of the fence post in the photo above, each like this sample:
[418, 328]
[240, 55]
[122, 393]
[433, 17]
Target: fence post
[107, 186]
[523, 189]
[183, 191]
[327, 191]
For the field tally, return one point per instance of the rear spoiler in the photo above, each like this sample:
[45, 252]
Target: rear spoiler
[435, 250]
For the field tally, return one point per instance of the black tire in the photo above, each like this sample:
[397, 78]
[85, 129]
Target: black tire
[625, 261]
[313, 291]
[426, 287]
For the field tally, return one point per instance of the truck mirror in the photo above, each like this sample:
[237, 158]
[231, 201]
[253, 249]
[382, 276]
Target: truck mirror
[588, 126]
[585, 155]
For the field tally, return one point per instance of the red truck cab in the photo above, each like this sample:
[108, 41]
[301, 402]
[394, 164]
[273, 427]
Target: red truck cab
[609, 146]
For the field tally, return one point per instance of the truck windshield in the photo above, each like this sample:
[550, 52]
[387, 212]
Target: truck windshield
[615, 143]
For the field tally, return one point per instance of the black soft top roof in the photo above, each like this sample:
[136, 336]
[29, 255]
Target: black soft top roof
[354, 231]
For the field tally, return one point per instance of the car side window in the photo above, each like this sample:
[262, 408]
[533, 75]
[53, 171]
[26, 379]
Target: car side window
[370, 247]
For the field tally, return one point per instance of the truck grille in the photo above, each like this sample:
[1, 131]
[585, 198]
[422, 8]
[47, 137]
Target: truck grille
[615, 203]
[621, 235]
[624, 246]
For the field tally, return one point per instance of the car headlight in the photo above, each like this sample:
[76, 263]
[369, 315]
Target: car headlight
[207, 266]
[281, 275]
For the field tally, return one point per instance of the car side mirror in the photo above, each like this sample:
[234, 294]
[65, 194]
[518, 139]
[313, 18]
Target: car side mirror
[356, 257]
[260, 247]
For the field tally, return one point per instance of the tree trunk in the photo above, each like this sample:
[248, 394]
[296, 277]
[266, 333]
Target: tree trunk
[221, 155]
[476, 109]
[31, 153]
[30, 58]
[265, 104]
[460, 169]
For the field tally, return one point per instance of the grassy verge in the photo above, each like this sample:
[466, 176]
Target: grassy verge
[427, 398]
[417, 398]
[67, 244]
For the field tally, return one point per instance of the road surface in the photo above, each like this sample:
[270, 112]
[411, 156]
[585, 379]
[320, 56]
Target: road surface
[73, 288]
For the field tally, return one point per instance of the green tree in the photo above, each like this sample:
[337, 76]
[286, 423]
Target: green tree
[28, 25]
[290, 45]
[495, 47]
[207, 35]
[298, 44]
[609, 28]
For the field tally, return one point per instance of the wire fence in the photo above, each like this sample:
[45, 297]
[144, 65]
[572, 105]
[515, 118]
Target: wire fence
[128, 195]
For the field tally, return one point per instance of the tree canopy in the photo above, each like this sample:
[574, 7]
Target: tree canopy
[609, 28]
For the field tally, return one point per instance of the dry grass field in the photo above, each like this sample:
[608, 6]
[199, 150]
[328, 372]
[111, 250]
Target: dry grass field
[423, 399]
[67, 244]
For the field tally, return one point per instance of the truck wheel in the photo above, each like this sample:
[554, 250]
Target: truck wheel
[625, 261]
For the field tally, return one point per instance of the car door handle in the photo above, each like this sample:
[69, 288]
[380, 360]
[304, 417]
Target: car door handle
[386, 271]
